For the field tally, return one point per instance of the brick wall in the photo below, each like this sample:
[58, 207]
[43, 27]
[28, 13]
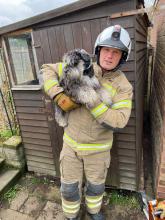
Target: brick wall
[158, 113]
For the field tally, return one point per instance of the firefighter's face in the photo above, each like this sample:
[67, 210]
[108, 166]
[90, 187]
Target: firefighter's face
[109, 57]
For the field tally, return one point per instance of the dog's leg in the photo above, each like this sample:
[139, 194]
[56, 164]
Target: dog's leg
[61, 116]
[104, 96]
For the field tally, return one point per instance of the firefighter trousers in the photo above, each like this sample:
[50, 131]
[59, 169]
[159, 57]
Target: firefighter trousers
[73, 166]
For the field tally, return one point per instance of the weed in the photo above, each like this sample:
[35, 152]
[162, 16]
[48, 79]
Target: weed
[11, 193]
[36, 180]
[119, 198]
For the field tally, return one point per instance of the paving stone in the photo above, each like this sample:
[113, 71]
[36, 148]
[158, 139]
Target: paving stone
[8, 214]
[32, 206]
[52, 211]
[19, 200]
[51, 193]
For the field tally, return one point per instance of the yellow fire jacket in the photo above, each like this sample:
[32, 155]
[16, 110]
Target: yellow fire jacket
[91, 130]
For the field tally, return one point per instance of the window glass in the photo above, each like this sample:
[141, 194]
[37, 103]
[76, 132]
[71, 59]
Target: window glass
[22, 59]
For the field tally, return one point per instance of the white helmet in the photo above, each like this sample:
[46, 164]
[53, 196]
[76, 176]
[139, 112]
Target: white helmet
[115, 37]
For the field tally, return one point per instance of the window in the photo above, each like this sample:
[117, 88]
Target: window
[21, 59]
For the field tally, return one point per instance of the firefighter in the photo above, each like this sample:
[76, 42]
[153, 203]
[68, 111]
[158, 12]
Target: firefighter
[88, 137]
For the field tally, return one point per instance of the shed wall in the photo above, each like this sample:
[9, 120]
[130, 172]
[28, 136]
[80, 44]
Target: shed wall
[53, 42]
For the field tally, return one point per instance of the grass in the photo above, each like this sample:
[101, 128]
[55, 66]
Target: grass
[12, 192]
[35, 180]
[122, 198]
[5, 134]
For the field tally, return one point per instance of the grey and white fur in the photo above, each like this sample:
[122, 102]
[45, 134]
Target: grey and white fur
[80, 83]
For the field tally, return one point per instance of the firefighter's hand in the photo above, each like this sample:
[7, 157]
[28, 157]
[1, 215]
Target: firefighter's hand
[65, 102]
[161, 207]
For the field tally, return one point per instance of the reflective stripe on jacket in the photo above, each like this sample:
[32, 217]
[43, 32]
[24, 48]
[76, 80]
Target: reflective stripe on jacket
[91, 130]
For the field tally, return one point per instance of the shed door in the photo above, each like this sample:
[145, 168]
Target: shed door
[51, 43]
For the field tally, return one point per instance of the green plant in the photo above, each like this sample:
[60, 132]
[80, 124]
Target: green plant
[36, 180]
[5, 133]
[123, 199]
[11, 193]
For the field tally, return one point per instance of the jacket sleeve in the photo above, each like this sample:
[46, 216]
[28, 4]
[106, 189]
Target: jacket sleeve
[116, 115]
[50, 78]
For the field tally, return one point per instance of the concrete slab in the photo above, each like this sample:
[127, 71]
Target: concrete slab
[19, 200]
[7, 177]
[8, 214]
[52, 211]
[33, 206]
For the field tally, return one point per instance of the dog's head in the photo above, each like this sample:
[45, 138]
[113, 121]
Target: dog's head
[80, 59]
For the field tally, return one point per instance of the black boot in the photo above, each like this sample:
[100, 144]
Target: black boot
[97, 216]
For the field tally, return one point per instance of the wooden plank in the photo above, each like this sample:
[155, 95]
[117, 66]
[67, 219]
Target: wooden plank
[42, 160]
[127, 130]
[37, 45]
[45, 46]
[68, 37]
[125, 145]
[40, 165]
[36, 117]
[77, 36]
[95, 30]
[32, 152]
[60, 41]
[130, 75]
[126, 137]
[127, 152]
[128, 167]
[52, 38]
[129, 174]
[86, 34]
[125, 22]
[131, 122]
[30, 110]
[128, 160]
[27, 95]
[104, 22]
[37, 141]
[33, 123]
[35, 129]
[39, 148]
[129, 66]
[35, 135]
[29, 103]
[128, 180]
[128, 186]
[41, 170]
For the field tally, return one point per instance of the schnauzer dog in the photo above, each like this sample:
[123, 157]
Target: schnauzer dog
[79, 83]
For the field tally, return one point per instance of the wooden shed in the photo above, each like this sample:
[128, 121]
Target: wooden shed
[44, 39]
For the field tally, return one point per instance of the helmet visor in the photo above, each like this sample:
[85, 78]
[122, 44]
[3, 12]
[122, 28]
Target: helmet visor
[114, 44]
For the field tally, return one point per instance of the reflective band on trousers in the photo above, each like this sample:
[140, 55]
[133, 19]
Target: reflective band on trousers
[122, 104]
[110, 89]
[99, 110]
[93, 201]
[70, 208]
[49, 84]
[86, 147]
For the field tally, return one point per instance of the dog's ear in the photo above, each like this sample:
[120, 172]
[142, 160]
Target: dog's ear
[85, 56]
[72, 57]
